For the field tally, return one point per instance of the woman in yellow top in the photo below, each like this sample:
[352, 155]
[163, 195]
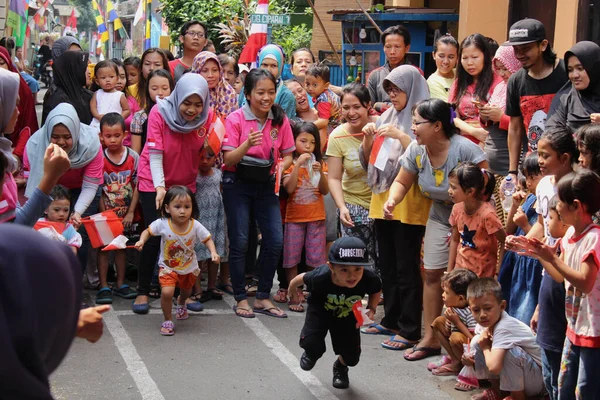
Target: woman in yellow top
[347, 178]
[399, 240]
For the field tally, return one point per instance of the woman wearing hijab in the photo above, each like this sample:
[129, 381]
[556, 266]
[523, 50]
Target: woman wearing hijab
[63, 44]
[35, 334]
[574, 104]
[223, 99]
[272, 58]
[82, 144]
[26, 105]
[399, 239]
[70, 71]
[177, 128]
[55, 162]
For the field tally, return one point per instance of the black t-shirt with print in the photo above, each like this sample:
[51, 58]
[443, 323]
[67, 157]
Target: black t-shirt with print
[337, 301]
[531, 98]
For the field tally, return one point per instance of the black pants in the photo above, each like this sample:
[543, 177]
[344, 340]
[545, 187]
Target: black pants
[82, 254]
[151, 248]
[400, 262]
[345, 337]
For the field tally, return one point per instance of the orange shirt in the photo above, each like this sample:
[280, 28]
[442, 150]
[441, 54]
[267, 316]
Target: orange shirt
[306, 203]
[478, 246]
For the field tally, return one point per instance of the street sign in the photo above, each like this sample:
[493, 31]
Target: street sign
[271, 19]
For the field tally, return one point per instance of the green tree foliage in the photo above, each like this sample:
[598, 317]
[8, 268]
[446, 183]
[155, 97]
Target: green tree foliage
[218, 14]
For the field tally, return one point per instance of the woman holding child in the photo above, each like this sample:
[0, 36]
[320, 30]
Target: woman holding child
[427, 162]
[399, 240]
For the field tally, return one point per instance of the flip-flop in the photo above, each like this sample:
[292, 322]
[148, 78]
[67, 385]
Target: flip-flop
[407, 344]
[445, 370]
[426, 351]
[235, 308]
[226, 288]
[269, 312]
[380, 330]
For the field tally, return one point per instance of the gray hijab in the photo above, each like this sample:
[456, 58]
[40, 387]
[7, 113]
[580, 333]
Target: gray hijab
[62, 44]
[187, 85]
[9, 89]
[409, 80]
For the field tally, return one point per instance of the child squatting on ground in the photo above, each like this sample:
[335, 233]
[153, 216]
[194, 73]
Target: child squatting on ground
[179, 232]
[334, 288]
[506, 352]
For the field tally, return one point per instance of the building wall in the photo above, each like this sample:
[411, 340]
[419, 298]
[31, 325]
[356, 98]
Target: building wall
[3, 11]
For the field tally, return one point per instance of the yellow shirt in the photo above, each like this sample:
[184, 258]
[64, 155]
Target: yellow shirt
[413, 210]
[133, 91]
[439, 87]
[354, 179]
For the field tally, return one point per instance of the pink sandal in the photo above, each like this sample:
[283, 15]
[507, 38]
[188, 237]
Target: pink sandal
[167, 328]
[181, 313]
[281, 296]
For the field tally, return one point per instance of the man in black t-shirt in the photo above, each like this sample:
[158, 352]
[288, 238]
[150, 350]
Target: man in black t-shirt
[531, 89]
[334, 288]
[46, 53]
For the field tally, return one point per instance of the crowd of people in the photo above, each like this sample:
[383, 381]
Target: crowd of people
[466, 203]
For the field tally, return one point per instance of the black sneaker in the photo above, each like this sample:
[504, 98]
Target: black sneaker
[306, 363]
[340, 375]
[104, 296]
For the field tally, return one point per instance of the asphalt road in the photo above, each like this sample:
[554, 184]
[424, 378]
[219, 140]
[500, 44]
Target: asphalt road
[217, 355]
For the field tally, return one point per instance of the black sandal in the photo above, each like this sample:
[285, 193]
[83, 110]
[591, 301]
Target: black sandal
[154, 292]
[211, 294]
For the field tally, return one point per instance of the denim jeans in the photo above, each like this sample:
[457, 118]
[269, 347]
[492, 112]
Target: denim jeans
[579, 373]
[240, 198]
[550, 368]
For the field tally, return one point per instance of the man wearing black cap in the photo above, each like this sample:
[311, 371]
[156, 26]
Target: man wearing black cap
[532, 88]
[334, 288]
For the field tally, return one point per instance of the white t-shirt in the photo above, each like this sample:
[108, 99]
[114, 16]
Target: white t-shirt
[510, 332]
[177, 248]
[544, 192]
[582, 310]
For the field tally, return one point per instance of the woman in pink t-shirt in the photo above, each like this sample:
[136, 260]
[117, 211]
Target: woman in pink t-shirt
[177, 127]
[474, 84]
[259, 132]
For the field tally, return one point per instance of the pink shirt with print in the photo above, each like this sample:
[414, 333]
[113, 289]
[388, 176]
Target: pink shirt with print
[180, 151]
[238, 126]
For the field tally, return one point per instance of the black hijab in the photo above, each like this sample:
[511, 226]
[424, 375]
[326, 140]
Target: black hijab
[588, 54]
[69, 81]
[35, 334]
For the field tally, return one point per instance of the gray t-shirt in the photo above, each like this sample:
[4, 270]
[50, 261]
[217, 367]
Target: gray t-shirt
[433, 182]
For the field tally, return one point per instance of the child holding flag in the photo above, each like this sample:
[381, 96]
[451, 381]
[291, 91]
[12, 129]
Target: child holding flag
[120, 194]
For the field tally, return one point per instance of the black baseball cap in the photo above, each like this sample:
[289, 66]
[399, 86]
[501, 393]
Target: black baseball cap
[349, 251]
[525, 31]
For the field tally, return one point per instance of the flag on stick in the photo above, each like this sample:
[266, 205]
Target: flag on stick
[103, 228]
[258, 36]
[119, 243]
[114, 18]
[102, 31]
[140, 13]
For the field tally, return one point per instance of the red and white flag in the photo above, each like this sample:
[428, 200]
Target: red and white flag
[216, 135]
[103, 228]
[360, 313]
[258, 36]
[380, 152]
[52, 230]
[119, 243]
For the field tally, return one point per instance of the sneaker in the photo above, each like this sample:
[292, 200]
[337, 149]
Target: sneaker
[440, 363]
[306, 363]
[125, 292]
[340, 375]
[104, 296]
[181, 313]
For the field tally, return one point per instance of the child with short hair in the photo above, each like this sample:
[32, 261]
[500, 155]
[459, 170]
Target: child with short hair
[476, 229]
[326, 102]
[58, 213]
[506, 352]
[576, 266]
[334, 288]
[520, 276]
[179, 232]
[107, 98]
[120, 194]
[305, 210]
[457, 326]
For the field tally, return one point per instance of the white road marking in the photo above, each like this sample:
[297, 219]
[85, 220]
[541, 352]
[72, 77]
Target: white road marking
[285, 356]
[158, 311]
[136, 367]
